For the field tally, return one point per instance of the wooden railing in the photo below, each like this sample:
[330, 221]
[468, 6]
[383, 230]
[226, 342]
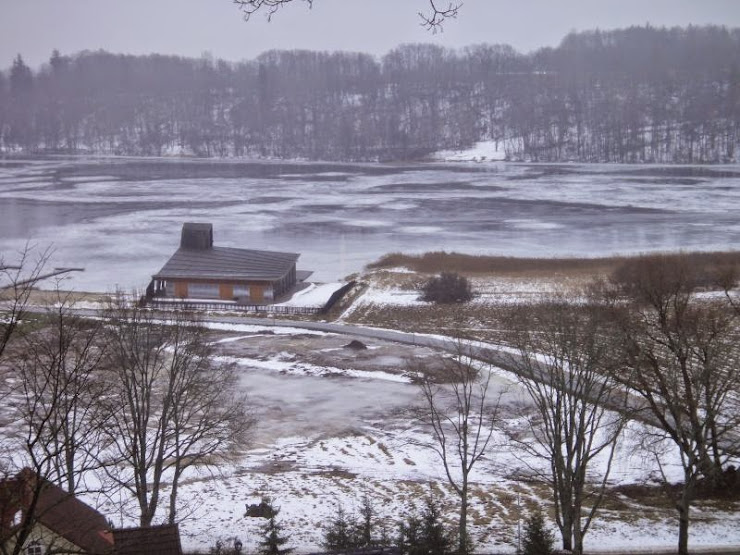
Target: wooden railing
[154, 302]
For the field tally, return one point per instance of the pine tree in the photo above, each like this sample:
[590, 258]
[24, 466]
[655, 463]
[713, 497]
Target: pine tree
[409, 537]
[338, 534]
[537, 539]
[436, 539]
[274, 541]
[365, 533]
[425, 535]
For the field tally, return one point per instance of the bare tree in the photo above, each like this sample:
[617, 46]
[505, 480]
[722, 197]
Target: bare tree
[59, 386]
[682, 353]
[171, 407]
[727, 279]
[562, 360]
[432, 18]
[17, 280]
[32, 440]
[463, 418]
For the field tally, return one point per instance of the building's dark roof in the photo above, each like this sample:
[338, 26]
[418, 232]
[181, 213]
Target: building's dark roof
[64, 514]
[227, 263]
[75, 521]
[154, 540]
[303, 275]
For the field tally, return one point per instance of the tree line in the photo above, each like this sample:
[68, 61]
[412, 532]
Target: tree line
[640, 94]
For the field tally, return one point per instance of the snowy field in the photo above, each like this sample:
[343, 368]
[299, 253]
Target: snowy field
[120, 219]
[334, 426]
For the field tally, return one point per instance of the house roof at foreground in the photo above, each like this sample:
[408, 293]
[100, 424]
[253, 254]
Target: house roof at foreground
[61, 512]
[154, 540]
[227, 263]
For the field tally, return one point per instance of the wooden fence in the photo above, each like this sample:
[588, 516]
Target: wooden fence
[247, 308]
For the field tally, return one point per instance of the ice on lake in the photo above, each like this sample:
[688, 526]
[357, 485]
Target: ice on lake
[121, 218]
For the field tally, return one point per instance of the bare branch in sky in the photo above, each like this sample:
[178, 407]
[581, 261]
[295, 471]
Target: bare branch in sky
[431, 19]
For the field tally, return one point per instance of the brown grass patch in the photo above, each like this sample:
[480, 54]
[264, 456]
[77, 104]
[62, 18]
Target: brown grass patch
[473, 321]
[441, 261]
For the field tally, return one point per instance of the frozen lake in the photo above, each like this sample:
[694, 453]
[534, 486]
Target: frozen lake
[120, 219]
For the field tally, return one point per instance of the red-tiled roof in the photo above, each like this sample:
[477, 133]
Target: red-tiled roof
[60, 512]
[74, 520]
[154, 540]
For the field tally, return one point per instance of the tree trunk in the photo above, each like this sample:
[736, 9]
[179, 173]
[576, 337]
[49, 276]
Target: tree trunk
[577, 534]
[567, 531]
[462, 547]
[683, 523]
[683, 506]
[173, 497]
[683, 531]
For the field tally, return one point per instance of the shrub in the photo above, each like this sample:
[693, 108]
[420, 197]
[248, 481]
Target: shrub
[447, 288]
[537, 539]
[426, 535]
[273, 540]
[338, 534]
[344, 533]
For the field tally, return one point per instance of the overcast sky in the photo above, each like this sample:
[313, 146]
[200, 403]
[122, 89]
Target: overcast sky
[34, 28]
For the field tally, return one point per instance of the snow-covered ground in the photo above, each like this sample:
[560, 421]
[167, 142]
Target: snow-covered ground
[315, 295]
[492, 290]
[335, 425]
[482, 151]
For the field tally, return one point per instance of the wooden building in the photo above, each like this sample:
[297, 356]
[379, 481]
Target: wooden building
[200, 270]
[53, 520]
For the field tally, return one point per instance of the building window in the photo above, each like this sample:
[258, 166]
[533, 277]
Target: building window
[241, 292]
[35, 548]
[203, 290]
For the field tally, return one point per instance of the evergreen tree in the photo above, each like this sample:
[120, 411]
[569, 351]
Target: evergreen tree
[425, 535]
[338, 534]
[436, 539]
[274, 541]
[537, 539]
[409, 537]
[365, 533]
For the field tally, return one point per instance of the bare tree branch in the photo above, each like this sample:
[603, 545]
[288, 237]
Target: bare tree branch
[431, 19]
[435, 17]
[170, 407]
[463, 418]
[562, 356]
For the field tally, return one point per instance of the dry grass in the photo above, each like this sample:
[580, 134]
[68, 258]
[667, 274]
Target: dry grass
[491, 275]
[440, 261]
[477, 321]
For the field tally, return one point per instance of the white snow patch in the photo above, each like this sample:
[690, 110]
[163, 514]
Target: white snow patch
[314, 295]
[285, 364]
[482, 151]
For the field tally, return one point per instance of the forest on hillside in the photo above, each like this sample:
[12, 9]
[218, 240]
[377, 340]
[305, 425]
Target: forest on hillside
[633, 95]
